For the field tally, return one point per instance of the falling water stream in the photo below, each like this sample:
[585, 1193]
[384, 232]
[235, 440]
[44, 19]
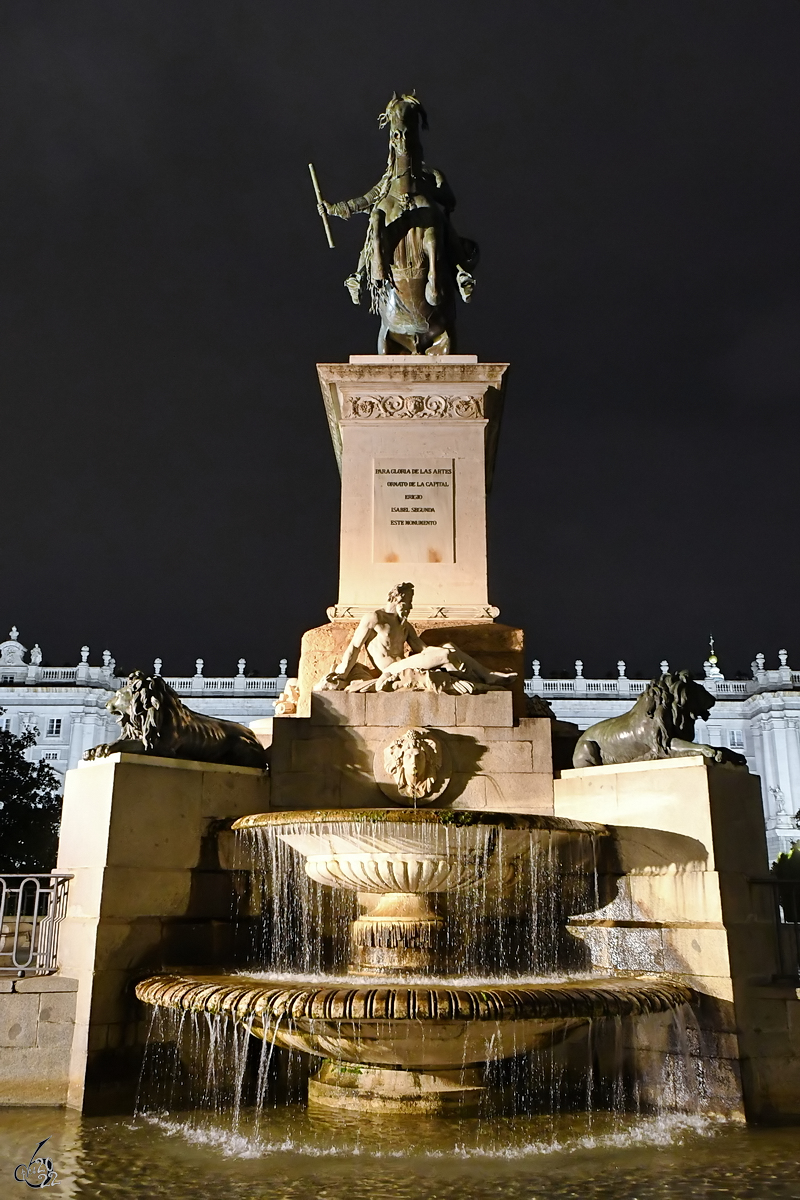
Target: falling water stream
[490, 930]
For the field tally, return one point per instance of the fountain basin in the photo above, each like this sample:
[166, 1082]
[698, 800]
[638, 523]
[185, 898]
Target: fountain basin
[430, 849]
[409, 1046]
[403, 856]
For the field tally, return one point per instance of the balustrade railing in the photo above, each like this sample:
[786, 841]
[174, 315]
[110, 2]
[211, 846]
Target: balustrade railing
[31, 910]
[58, 674]
[231, 684]
[627, 688]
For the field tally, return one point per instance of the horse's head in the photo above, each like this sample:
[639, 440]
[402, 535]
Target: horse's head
[405, 117]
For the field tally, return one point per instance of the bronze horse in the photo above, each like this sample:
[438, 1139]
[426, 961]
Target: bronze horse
[413, 262]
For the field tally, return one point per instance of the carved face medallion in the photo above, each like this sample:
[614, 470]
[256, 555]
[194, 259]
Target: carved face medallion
[413, 767]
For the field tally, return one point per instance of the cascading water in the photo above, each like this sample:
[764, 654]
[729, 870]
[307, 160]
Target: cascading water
[420, 960]
[495, 896]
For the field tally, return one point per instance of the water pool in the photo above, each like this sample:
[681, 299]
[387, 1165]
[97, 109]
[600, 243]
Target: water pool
[295, 1154]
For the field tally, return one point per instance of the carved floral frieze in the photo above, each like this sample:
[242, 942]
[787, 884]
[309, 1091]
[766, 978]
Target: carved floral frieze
[442, 407]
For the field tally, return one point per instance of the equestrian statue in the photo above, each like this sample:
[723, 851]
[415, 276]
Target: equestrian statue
[413, 261]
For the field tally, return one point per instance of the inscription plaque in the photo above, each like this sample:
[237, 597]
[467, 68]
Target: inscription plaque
[412, 511]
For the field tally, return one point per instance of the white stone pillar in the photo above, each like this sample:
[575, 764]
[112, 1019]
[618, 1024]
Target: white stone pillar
[689, 841]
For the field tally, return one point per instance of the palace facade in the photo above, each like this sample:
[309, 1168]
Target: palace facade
[759, 717]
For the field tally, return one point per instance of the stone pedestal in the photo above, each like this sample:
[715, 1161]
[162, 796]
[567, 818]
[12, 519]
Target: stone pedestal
[415, 439]
[327, 760]
[690, 850]
[148, 892]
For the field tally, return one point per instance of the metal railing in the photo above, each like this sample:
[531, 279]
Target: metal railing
[785, 901]
[31, 910]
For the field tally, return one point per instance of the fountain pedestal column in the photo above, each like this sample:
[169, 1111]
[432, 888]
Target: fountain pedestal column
[352, 1087]
[400, 934]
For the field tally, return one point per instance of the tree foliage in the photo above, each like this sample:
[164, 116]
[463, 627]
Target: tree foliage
[787, 865]
[30, 807]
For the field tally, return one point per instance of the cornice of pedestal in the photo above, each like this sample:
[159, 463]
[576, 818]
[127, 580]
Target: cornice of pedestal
[421, 612]
[414, 387]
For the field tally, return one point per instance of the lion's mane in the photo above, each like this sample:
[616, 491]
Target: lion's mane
[665, 712]
[158, 718]
[148, 693]
[674, 702]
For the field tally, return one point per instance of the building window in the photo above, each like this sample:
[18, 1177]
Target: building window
[6, 678]
[50, 755]
[736, 739]
[5, 723]
[54, 727]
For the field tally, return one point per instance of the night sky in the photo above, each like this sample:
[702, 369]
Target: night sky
[631, 172]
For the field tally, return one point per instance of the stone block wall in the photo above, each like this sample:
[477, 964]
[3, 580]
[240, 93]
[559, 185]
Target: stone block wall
[37, 1021]
[690, 848]
[149, 893]
[499, 762]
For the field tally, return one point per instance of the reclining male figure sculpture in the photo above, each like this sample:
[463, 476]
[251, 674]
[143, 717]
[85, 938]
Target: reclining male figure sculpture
[384, 634]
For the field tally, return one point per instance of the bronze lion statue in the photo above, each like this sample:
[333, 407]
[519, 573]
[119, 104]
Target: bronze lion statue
[660, 725]
[154, 720]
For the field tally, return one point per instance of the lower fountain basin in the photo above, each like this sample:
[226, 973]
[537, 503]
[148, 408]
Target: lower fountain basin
[436, 1031]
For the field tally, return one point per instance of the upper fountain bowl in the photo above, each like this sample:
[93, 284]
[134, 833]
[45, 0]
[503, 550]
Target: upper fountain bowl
[403, 857]
[416, 850]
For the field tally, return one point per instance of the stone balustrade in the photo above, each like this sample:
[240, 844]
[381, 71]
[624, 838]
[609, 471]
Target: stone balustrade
[780, 679]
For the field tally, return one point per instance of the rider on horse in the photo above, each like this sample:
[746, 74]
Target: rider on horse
[412, 258]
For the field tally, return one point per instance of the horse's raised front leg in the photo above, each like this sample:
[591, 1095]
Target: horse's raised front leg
[432, 293]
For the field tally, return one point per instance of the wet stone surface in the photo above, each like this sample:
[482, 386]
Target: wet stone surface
[293, 1154]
